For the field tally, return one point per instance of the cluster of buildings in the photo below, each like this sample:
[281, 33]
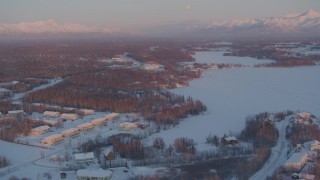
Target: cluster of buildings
[64, 116]
[303, 154]
[68, 116]
[307, 118]
[303, 117]
[88, 174]
[72, 132]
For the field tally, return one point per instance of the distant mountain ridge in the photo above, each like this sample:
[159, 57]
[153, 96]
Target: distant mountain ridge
[308, 22]
[51, 26]
[297, 25]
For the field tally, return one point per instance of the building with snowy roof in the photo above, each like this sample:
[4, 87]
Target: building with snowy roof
[85, 126]
[99, 121]
[94, 174]
[87, 111]
[152, 67]
[128, 126]
[112, 116]
[229, 140]
[84, 157]
[304, 116]
[296, 161]
[69, 116]
[51, 122]
[53, 139]
[39, 130]
[70, 132]
[15, 112]
[313, 145]
[51, 114]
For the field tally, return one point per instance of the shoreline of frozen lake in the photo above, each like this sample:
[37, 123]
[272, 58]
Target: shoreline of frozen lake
[232, 94]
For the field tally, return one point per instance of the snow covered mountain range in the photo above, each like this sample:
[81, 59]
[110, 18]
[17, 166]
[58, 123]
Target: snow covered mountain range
[293, 25]
[51, 26]
[305, 24]
[308, 22]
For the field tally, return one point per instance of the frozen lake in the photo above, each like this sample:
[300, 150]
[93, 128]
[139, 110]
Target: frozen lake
[232, 94]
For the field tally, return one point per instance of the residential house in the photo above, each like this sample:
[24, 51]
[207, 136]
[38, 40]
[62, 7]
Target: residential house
[313, 145]
[226, 140]
[302, 117]
[296, 161]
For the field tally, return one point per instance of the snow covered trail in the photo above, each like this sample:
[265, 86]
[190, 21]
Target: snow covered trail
[278, 154]
[18, 96]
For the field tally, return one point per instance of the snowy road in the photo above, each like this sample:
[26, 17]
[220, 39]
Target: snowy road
[278, 155]
[18, 96]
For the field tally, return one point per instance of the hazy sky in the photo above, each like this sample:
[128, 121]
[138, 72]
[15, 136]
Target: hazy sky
[135, 13]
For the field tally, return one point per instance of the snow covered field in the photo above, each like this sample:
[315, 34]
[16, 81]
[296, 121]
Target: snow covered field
[232, 94]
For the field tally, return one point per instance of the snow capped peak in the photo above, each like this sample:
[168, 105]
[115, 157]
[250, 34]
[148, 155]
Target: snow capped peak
[291, 23]
[311, 14]
[292, 15]
[52, 26]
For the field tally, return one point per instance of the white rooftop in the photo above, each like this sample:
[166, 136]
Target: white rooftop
[41, 128]
[71, 130]
[296, 157]
[84, 156]
[15, 111]
[230, 138]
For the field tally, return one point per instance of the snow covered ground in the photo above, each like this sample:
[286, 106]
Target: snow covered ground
[232, 94]
[22, 159]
